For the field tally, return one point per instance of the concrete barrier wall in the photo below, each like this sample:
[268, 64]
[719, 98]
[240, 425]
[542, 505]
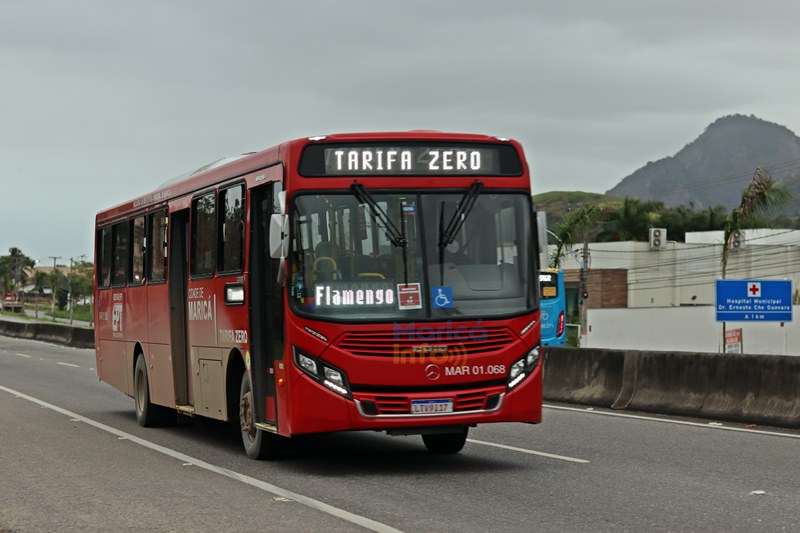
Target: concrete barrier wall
[55, 333]
[750, 388]
[583, 376]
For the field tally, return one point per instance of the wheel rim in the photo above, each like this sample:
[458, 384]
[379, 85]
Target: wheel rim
[246, 415]
[140, 392]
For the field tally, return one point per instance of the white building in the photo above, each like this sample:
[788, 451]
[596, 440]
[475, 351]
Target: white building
[671, 291]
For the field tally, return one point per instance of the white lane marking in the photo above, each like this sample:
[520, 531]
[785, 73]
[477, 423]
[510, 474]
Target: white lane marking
[353, 518]
[708, 425]
[24, 355]
[68, 364]
[531, 452]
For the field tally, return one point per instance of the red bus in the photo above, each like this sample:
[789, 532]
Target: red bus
[378, 281]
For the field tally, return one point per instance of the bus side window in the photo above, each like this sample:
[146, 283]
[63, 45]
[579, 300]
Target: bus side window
[137, 251]
[231, 229]
[119, 266]
[104, 257]
[157, 246]
[203, 235]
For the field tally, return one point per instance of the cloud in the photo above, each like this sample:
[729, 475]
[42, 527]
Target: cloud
[104, 101]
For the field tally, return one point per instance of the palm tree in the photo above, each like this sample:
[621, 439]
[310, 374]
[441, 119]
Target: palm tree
[573, 228]
[762, 196]
[575, 225]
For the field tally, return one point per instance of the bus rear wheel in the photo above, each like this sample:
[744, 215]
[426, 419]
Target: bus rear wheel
[258, 444]
[148, 414]
[444, 443]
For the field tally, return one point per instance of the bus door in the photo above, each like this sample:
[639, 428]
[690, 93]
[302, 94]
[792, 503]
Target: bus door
[266, 307]
[178, 261]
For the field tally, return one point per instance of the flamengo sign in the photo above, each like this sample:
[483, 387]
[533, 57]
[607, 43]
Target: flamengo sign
[741, 300]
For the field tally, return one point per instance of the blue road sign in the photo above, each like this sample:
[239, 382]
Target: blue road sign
[747, 300]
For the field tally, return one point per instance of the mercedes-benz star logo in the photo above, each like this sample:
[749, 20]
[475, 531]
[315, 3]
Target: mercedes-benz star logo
[432, 372]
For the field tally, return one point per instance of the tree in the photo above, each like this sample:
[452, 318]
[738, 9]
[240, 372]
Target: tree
[39, 283]
[713, 219]
[632, 221]
[12, 268]
[761, 196]
[81, 279]
[574, 227]
[56, 280]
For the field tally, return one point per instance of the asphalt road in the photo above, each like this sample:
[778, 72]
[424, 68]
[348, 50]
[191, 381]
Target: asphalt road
[73, 458]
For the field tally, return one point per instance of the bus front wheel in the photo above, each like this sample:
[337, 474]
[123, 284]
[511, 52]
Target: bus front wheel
[258, 444]
[445, 442]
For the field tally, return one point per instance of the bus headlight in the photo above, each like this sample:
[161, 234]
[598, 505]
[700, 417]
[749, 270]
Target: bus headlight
[523, 367]
[517, 369]
[329, 376]
[335, 381]
[533, 358]
[307, 364]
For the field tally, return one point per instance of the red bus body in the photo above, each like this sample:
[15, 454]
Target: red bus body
[198, 334]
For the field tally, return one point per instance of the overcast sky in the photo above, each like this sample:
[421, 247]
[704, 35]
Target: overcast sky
[104, 100]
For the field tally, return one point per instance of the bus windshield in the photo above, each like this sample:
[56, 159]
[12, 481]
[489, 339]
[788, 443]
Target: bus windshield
[411, 255]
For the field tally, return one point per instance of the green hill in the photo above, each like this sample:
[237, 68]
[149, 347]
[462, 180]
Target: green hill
[557, 203]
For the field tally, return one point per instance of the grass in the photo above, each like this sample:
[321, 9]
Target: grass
[82, 312]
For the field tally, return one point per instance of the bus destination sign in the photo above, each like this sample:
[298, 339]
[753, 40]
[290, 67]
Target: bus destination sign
[412, 159]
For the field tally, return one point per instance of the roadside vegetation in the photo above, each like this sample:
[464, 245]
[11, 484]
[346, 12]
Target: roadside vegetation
[43, 288]
[613, 218]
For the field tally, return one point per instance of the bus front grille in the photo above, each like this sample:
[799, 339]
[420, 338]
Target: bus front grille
[404, 343]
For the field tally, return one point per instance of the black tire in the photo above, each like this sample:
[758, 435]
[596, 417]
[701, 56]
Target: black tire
[258, 444]
[147, 413]
[442, 443]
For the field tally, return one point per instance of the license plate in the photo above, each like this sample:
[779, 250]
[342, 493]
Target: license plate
[423, 407]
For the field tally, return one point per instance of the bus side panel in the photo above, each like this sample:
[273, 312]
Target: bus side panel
[109, 339]
[135, 315]
[203, 306]
[112, 364]
[549, 314]
[162, 384]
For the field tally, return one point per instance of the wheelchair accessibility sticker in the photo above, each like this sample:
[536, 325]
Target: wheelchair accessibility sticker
[442, 297]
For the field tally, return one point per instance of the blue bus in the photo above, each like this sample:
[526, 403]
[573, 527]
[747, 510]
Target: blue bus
[553, 307]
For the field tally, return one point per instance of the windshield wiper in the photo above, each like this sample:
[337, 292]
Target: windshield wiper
[447, 235]
[395, 236]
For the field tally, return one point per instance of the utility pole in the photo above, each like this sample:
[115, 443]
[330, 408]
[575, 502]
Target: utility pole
[584, 288]
[53, 286]
[36, 288]
[69, 291]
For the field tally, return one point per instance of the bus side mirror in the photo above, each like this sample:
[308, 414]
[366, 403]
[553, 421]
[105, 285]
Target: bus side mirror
[278, 238]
